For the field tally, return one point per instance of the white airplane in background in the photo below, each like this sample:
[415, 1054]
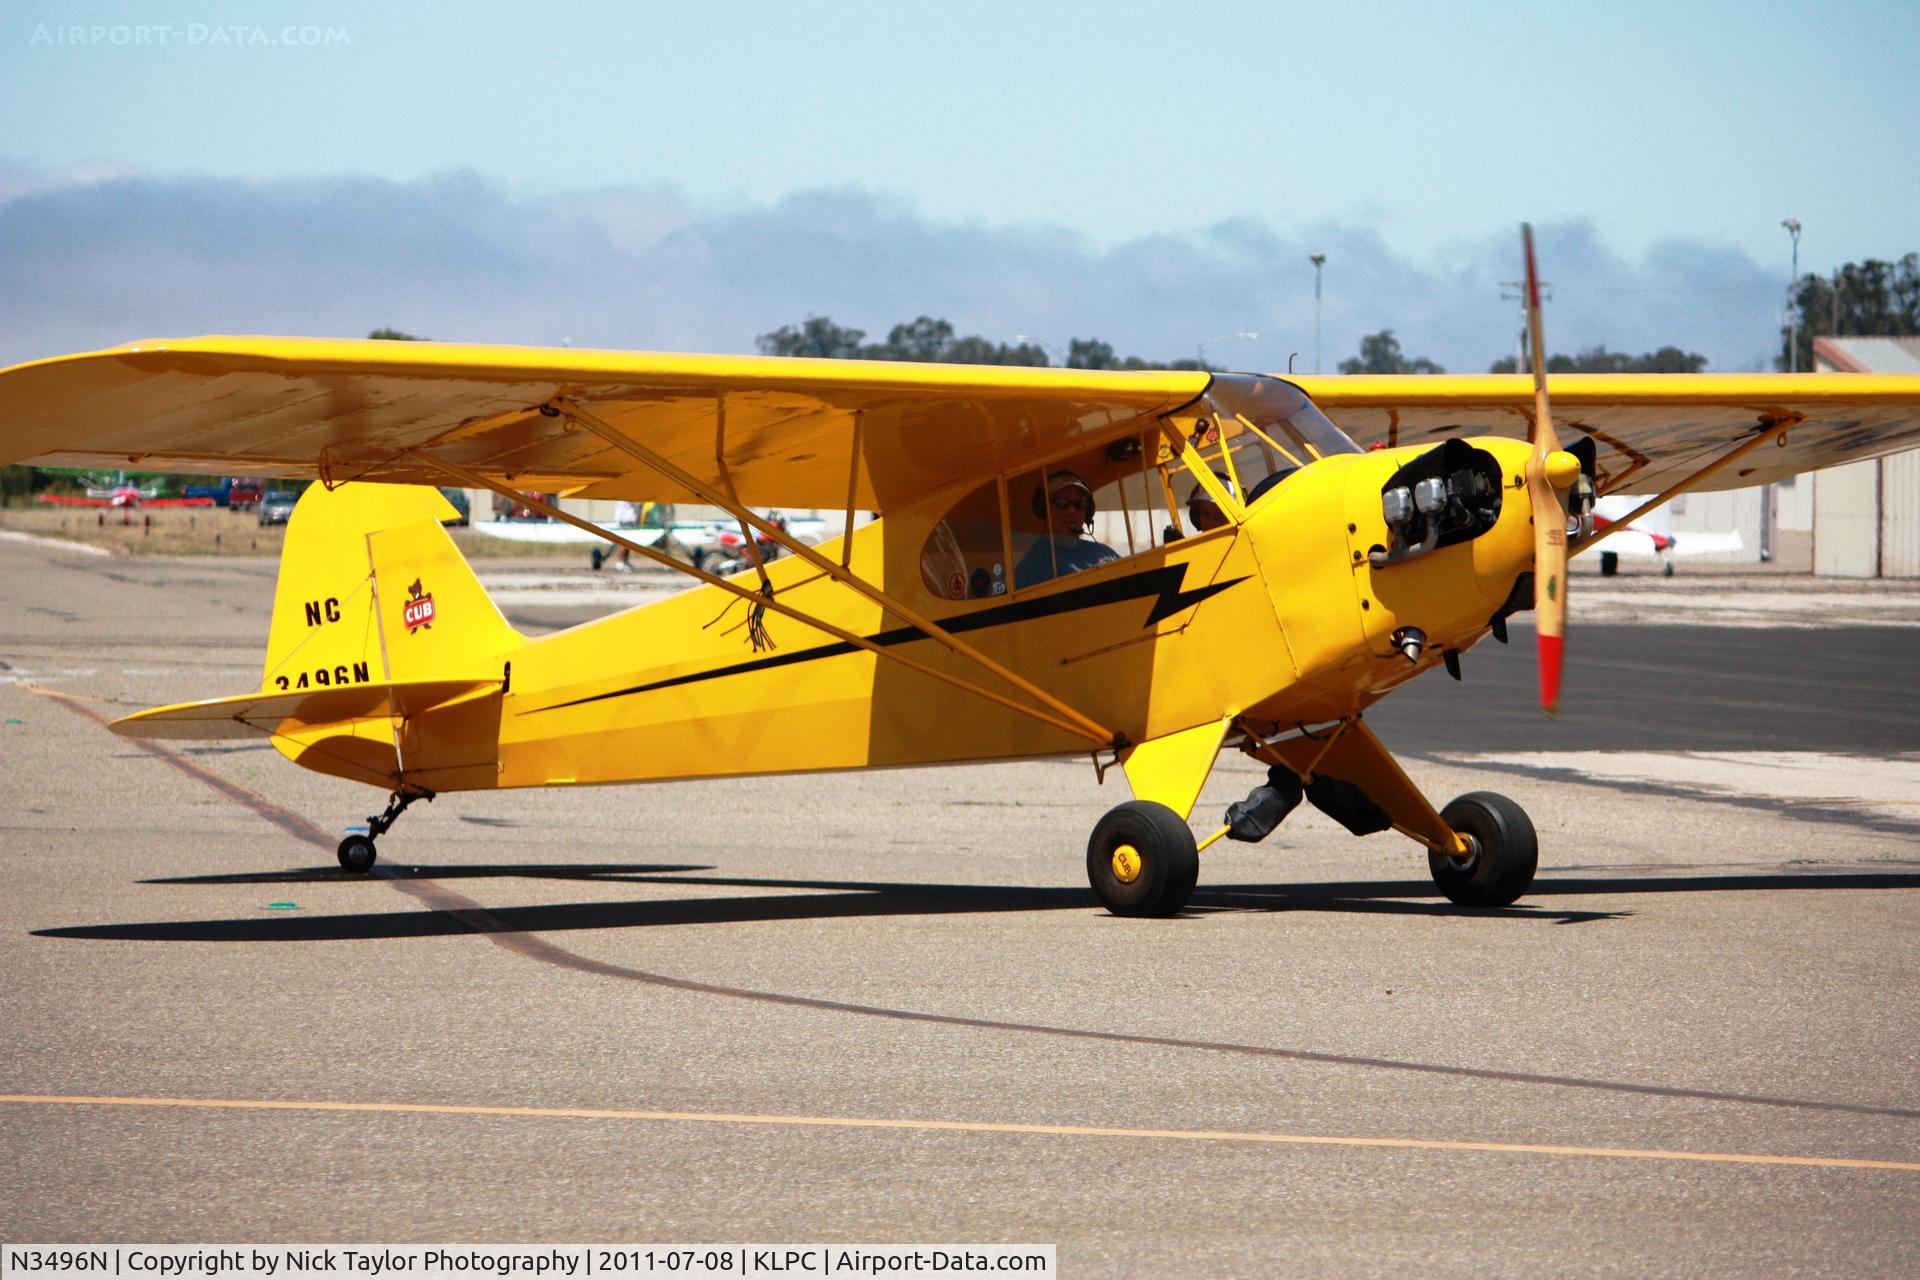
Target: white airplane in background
[697, 540]
[1652, 537]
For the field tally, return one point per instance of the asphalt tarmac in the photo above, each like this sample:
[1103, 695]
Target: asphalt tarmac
[884, 1008]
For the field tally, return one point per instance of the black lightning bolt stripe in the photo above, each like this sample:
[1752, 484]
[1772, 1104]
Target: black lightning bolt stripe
[1162, 584]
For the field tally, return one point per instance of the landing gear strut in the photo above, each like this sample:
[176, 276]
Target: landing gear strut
[356, 852]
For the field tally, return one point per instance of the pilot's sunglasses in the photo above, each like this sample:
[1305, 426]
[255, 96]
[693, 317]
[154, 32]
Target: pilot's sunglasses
[1066, 501]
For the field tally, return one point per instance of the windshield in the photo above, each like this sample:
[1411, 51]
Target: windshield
[1268, 429]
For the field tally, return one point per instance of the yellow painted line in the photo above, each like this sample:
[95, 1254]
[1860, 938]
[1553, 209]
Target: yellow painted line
[964, 1126]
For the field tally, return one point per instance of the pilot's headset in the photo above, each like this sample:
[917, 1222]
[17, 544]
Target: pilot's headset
[1061, 484]
[1200, 496]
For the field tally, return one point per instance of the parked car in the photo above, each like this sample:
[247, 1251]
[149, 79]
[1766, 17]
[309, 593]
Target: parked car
[505, 508]
[276, 506]
[237, 492]
[219, 494]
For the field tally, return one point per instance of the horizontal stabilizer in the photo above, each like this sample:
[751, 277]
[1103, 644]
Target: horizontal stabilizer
[251, 715]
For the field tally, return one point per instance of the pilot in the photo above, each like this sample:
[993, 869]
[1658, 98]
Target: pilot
[1066, 504]
[1202, 511]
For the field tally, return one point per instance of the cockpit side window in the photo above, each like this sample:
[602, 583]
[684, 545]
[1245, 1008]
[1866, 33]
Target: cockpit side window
[1075, 513]
[1127, 496]
[965, 556]
[1078, 513]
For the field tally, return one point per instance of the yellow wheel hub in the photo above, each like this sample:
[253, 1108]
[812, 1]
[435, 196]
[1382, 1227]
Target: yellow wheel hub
[1126, 864]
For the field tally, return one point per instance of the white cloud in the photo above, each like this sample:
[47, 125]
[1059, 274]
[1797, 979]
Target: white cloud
[23, 177]
[98, 257]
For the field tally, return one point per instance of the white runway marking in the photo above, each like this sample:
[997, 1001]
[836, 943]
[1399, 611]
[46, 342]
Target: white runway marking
[58, 544]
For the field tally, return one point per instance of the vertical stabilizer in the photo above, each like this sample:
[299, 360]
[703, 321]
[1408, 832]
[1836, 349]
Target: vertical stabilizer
[372, 590]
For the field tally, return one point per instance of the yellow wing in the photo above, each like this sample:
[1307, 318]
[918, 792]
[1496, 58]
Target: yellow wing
[795, 433]
[1651, 430]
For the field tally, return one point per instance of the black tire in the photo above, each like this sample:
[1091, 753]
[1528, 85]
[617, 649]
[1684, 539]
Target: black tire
[1609, 563]
[1166, 864]
[356, 854]
[1508, 852]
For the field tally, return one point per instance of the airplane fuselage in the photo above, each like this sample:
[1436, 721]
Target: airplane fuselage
[1282, 619]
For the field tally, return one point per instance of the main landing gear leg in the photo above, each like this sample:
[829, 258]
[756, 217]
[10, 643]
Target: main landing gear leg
[1361, 786]
[356, 852]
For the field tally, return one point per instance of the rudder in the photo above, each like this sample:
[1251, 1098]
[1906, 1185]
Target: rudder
[372, 590]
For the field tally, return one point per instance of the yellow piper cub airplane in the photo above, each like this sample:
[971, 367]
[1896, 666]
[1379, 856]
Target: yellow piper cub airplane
[974, 620]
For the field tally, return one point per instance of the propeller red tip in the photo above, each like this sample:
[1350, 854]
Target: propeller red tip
[1550, 648]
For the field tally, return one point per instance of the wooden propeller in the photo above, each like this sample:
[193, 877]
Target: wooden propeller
[1549, 503]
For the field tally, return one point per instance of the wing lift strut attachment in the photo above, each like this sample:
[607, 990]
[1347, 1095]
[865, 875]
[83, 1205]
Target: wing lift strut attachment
[1051, 711]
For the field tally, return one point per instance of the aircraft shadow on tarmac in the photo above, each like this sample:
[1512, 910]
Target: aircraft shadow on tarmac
[830, 899]
[396, 871]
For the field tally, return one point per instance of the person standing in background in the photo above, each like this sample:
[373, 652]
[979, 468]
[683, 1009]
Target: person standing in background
[626, 515]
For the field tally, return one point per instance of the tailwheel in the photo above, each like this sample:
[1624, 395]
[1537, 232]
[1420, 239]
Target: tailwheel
[356, 854]
[1141, 860]
[1506, 852]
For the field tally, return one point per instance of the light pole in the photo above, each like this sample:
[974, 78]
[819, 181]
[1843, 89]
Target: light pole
[1516, 291]
[1318, 260]
[1768, 510]
[1793, 313]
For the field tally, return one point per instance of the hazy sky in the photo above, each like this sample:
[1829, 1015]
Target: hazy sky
[687, 176]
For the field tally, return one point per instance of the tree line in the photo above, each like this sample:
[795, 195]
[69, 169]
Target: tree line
[1600, 360]
[933, 341]
[1871, 299]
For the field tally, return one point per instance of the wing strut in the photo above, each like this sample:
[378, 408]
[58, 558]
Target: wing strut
[853, 489]
[725, 501]
[1769, 429]
[1077, 725]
